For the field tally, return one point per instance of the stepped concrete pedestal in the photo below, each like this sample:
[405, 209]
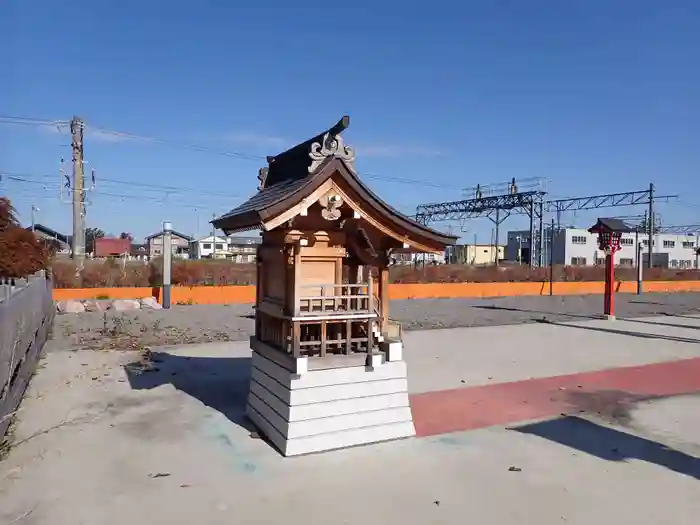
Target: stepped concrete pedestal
[308, 405]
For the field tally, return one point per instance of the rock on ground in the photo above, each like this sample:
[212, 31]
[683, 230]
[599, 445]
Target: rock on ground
[150, 302]
[70, 306]
[125, 305]
[234, 322]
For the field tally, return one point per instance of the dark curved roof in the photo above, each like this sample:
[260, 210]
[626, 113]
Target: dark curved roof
[288, 180]
[272, 201]
[294, 163]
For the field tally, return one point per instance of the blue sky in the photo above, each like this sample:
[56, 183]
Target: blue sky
[597, 96]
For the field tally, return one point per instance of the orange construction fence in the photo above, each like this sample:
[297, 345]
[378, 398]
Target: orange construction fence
[246, 294]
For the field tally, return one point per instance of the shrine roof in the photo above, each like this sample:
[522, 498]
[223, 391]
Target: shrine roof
[297, 172]
[612, 225]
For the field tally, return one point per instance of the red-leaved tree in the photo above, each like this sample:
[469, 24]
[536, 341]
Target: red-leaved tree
[20, 252]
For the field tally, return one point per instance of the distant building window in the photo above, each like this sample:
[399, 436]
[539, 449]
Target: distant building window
[688, 244]
[626, 262]
[627, 241]
[579, 239]
[206, 246]
[600, 262]
[219, 246]
[578, 261]
[669, 244]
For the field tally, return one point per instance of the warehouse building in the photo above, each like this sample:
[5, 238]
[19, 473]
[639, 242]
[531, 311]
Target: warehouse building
[577, 247]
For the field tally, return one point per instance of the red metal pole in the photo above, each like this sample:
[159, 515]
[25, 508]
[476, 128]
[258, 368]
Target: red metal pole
[609, 285]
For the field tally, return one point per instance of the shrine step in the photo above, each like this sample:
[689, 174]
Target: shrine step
[329, 409]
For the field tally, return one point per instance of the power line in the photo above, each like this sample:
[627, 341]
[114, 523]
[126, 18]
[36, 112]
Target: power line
[202, 149]
[247, 156]
[28, 121]
[23, 177]
[194, 147]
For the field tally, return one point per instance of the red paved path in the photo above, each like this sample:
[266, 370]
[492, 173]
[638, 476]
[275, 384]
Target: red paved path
[507, 403]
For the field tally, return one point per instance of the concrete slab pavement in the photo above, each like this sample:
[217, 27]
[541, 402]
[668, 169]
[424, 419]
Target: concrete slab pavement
[454, 358]
[91, 447]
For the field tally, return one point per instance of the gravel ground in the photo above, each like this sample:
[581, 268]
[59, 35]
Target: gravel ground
[205, 323]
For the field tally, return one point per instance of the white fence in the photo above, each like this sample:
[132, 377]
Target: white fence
[26, 317]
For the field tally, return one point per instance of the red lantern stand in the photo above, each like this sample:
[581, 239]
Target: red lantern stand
[609, 242]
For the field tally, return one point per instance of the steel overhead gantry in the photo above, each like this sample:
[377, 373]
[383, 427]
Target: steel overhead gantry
[686, 229]
[531, 203]
[496, 208]
[611, 200]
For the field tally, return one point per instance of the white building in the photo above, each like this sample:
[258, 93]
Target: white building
[577, 247]
[404, 257]
[238, 249]
[207, 247]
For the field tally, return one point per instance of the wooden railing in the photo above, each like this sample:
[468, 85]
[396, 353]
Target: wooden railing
[337, 299]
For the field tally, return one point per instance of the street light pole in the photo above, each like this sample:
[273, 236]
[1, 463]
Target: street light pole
[34, 210]
[167, 261]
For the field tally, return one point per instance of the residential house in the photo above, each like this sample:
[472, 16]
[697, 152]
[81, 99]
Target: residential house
[243, 249]
[404, 256]
[237, 249]
[208, 247]
[180, 245]
[139, 252]
[474, 254]
[112, 247]
[51, 238]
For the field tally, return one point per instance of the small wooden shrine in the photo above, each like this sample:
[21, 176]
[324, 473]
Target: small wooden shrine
[322, 282]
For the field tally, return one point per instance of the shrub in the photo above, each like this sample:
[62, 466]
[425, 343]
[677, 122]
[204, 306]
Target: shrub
[21, 254]
[105, 274]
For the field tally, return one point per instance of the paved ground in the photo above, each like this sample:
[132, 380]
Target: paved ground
[170, 446]
[206, 323]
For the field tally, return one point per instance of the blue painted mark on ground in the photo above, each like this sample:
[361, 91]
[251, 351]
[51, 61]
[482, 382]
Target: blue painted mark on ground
[452, 440]
[219, 430]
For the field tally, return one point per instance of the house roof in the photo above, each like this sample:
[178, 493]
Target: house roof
[209, 238]
[299, 171]
[234, 239]
[175, 233]
[50, 233]
[612, 225]
[105, 246]
[138, 249]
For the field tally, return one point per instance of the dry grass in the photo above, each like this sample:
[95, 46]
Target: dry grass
[113, 273]
[518, 273]
[108, 274]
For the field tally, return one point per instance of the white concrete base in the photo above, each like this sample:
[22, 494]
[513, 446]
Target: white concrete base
[329, 408]
[609, 317]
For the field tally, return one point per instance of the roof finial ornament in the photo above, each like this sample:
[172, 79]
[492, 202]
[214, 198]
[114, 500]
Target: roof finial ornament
[262, 177]
[332, 145]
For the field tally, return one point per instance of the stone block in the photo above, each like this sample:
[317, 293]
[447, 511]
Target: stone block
[150, 303]
[93, 305]
[125, 305]
[70, 306]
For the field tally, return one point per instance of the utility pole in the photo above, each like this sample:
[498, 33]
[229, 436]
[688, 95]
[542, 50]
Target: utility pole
[78, 240]
[651, 225]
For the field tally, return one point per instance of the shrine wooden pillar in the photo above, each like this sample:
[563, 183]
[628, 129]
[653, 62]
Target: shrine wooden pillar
[384, 298]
